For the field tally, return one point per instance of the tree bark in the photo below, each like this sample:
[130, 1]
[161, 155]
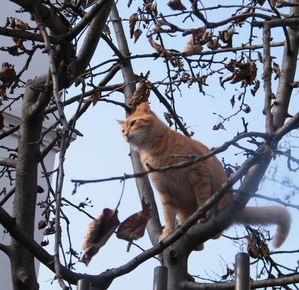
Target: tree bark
[22, 261]
[145, 190]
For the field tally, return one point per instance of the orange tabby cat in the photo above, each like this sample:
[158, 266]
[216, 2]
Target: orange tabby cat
[183, 190]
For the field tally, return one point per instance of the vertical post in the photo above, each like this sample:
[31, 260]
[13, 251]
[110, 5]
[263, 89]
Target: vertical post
[160, 278]
[83, 284]
[242, 272]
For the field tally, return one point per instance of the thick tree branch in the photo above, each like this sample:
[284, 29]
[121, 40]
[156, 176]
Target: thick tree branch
[8, 162]
[91, 39]
[143, 185]
[287, 73]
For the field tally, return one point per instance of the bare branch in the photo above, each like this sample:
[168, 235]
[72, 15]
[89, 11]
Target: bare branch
[267, 79]
[8, 162]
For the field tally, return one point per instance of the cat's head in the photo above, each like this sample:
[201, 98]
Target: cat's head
[141, 128]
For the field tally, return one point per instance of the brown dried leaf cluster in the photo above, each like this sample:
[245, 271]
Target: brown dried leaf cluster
[7, 80]
[198, 38]
[101, 229]
[141, 93]
[16, 24]
[201, 37]
[256, 247]
[241, 72]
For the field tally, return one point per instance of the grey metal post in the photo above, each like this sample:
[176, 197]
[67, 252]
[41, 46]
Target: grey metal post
[242, 272]
[83, 284]
[160, 278]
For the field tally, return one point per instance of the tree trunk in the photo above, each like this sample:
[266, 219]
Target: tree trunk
[22, 261]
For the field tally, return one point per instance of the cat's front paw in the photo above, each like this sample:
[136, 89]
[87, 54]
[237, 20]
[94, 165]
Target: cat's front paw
[166, 232]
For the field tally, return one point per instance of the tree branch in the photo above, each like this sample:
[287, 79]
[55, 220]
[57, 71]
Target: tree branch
[143, 185]
[91, 39]
[287, 73]
[8, 162]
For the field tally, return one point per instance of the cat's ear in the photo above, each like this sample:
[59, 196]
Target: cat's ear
[144, 108]
[121, 122]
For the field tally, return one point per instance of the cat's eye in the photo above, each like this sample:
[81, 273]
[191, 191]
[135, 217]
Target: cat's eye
[133, 123]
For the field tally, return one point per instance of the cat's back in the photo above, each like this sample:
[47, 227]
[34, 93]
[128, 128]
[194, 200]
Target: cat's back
[172, 147]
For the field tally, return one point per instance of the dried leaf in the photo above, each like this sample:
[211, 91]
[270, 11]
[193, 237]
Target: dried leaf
[98, 233]
[95, 97]
[226, 36]
[193, 46]
[134, 226]
[205, 37]
[241, 72]
[256, 87]
[213, 44]
[132, 22]
[252, 246]
[137, 34]
[219, 126]
[261, 2]
[232, 101]
[264, 249]
[13, 50]
[246, 109]
[276, 70]
[44, 243]
[141, 93]
[191, 49]
[49, 231]
[42, 224]
[129, 3]
[7, 73]
[22, 25]
[260, 56]
[159, 49]
[203, 80]
[176, 5]
[106, 29]
[152, 7]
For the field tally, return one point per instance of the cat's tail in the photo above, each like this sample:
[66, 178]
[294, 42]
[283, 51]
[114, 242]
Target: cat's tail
[272, 215]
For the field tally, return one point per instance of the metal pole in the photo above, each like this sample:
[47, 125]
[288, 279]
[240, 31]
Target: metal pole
[83, 284]
[160, 278]
[242, 272]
